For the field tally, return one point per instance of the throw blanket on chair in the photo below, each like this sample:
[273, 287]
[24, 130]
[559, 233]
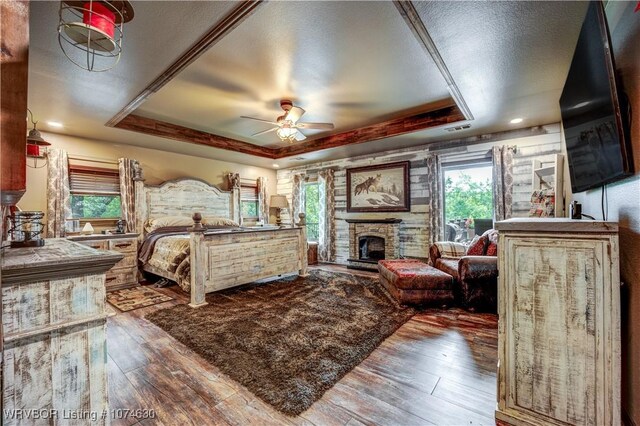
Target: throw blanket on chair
[450, 249]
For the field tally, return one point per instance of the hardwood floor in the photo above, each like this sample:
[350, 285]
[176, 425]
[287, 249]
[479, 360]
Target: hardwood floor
[438, 368]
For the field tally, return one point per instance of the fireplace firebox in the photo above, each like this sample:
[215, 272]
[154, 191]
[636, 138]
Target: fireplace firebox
[371, 240]
[371, 247]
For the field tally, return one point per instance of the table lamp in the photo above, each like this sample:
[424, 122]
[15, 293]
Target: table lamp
[279, 202]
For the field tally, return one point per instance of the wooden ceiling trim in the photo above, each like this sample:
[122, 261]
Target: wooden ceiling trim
[395, 127]
[213, 36]
[419, 30]
[150, 126]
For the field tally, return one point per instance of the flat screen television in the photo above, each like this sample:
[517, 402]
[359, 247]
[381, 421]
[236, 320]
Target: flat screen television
[594, 112]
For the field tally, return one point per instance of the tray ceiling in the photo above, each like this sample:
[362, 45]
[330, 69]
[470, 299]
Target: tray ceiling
[350, 63]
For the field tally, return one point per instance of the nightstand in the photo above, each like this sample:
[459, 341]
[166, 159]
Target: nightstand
[124, 273]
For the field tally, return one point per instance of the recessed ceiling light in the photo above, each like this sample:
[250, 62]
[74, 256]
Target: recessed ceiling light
[276, 166]
[516, 121]
[54, 124]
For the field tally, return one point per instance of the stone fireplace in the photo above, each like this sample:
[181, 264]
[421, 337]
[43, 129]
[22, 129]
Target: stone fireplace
[371, 240]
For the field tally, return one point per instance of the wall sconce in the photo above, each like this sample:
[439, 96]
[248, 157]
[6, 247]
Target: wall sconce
[34, 142]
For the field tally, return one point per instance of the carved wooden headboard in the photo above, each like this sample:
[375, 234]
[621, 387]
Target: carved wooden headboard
[181, 197]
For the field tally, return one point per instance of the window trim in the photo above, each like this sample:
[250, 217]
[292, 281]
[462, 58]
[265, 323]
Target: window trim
[254, 199]
[100, 171]
[309, 182]
[460, 165]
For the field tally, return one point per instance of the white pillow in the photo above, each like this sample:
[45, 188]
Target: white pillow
[219, 221]
[164, 221]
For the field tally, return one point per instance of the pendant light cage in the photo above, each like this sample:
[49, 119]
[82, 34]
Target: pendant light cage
[90, 33]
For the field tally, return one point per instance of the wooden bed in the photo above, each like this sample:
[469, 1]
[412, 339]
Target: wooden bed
[226, 258]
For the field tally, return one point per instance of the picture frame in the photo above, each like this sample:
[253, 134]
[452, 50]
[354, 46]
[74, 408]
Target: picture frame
[379, 188]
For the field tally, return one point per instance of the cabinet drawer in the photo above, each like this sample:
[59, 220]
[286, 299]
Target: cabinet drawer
[124, 245]
[100, 245]
[128, 261]
[119, 278]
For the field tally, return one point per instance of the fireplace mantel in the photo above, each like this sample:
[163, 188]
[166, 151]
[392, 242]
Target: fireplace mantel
[387, 220]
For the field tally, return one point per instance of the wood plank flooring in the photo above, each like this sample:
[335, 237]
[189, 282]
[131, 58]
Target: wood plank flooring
[438, 368]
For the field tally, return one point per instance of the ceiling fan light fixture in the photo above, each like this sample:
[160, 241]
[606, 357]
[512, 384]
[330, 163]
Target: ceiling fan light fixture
[287, 126]
[286, 132]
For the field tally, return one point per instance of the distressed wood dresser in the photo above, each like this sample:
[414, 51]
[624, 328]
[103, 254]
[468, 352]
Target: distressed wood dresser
[125, 273]
[54, 332]
[559, 327]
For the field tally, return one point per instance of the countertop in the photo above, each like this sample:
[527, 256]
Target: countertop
[96, 237]
[558, 225]
[58, 258]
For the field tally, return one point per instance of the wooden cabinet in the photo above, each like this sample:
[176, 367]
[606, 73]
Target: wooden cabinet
[312, 253]
[14, 67]
[54, 318]
[559, 327]
[124, 273]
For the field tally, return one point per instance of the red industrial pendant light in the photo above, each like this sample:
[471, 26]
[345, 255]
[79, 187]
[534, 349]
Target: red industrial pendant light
[90, 32]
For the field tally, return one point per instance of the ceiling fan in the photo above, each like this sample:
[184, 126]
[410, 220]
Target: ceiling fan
[287, 125]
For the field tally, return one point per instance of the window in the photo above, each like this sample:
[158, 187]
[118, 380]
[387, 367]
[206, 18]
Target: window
[95, 192]
[312, 209]
[249, 201]
[468, 199]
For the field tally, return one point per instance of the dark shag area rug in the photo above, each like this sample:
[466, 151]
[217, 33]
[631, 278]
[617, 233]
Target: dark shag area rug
[290, 340]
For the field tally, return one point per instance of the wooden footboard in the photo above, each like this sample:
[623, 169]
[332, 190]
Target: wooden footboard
[224, 260]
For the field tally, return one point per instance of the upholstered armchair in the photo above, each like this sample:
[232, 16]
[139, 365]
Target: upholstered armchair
[474, 269]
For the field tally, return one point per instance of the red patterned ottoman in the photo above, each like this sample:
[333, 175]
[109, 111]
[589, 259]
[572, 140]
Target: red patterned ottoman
[413, 282]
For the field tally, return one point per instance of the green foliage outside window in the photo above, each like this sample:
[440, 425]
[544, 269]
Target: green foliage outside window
[249, 209]
[96, 206]
[312, 210]
[468, 198]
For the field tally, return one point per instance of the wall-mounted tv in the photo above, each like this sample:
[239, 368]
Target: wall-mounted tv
[594, 112]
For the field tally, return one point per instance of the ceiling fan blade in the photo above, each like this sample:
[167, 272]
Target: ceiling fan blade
[300, 136]
[324, 126]
[259, 119]
[273, 129]
[294, 114]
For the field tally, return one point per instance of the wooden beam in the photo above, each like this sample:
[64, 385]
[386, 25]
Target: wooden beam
[150, 126]
[386, 129]
[395, 127]
[419, 30]
[213, 36]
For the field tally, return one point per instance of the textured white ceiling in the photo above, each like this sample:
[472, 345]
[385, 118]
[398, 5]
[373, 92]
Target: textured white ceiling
[349, 63]
[345, 62]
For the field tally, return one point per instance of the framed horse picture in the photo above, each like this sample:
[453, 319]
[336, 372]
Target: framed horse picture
[379, 188]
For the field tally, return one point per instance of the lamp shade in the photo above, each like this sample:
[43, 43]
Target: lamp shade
[279, 201]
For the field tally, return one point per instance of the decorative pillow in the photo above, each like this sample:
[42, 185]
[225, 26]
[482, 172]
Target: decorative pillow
[492, 239]
[164, 221]
[218, 221]
[477, 246]
[451, 250]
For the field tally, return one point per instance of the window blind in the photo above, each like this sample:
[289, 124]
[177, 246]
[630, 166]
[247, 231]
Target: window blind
[93, 180]
[249, 192]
